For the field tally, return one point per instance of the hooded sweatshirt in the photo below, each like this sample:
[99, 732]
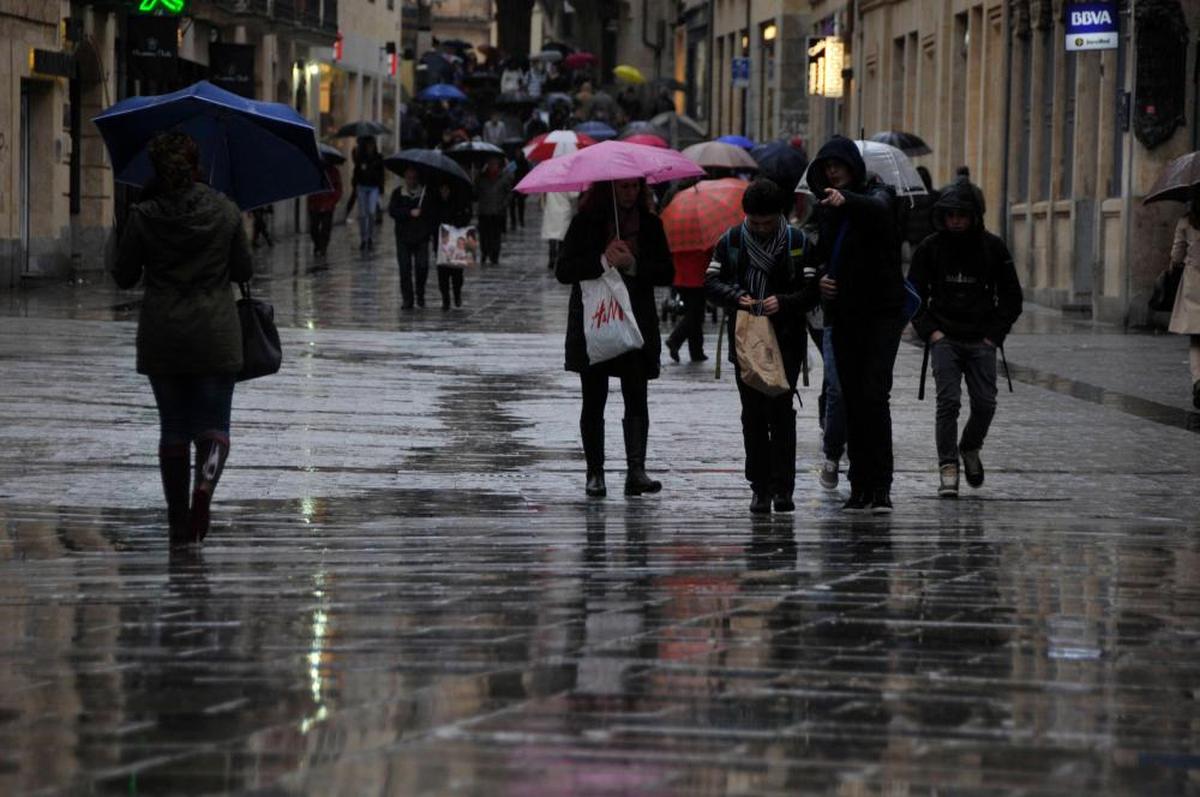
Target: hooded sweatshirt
[867, 269]
[967, 282]
[188, 246]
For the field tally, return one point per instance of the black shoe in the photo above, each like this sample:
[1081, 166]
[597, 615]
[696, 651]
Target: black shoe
[699, 358]
[881, 503]
[972, 467]
[421, 303]
[760, 504]
[596, 488]
[593, 451]
[673, 351]
[637, 481]
[857, 503]
[784, 503]
[446, 306]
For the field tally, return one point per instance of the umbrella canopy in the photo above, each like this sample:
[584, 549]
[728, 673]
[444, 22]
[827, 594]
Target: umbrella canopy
[647, 140]
[597, 130]
[331, 155]
[547, 56]
[474, 152]
[253, 152]
[629, 74]
[715, 155]
[737, 141]
[558, 98]
[887, 163]
[682, 131]
[780, 162]
[698, 216]
[555, 144]
[908, 143]
[431, 164]
[456, 44]
[361, 129]
[642, 127]
[1175, 181]
[442, 91]
[608, 160]
[579, 60]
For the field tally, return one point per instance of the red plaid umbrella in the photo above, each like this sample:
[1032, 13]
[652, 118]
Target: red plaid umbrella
[556, 143]
[648, 140]
[698, 216]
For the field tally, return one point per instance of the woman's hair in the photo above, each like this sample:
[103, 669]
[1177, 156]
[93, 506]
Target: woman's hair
[176, 160]
[599, 198]
[764, 197]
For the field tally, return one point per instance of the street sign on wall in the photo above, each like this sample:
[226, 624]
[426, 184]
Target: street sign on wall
[1092, 26]
[740, 72]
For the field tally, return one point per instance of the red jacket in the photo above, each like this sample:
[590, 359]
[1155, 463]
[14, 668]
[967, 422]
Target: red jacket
[326, 201]
[690, 268]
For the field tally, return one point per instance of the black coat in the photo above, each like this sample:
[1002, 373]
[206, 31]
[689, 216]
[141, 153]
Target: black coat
[868, 271]
[579, 259]
[793, 284]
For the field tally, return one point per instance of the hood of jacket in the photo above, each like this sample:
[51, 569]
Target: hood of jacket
[963, 196]
[186, 221]
[842, 149]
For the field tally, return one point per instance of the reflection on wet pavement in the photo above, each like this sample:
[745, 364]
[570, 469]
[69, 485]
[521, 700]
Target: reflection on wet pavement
[406, 593]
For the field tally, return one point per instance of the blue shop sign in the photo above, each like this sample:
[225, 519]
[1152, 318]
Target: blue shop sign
[1092, 26]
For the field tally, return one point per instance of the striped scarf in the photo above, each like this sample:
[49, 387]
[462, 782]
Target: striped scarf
[762, 256]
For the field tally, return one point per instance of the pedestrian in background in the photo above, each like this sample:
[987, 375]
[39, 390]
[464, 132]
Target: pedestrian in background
[863, 293]
[492, 188]
[455, 214]
[520, 166]
[187, 244]
[558, 208]
[616, 227]
[758, 267]
[970, 298]
[261, 221]
[689, 282]
[415, 226]
[367, 183]
[320, 210]
[1185, 315]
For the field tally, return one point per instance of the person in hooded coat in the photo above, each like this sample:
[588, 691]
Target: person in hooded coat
[616, 227]
[187, 244]
[970, 298]
[862, 288]
[1185, 314]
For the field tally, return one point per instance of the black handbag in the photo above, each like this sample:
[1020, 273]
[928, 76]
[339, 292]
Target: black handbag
[261, 352]
[1166, 286]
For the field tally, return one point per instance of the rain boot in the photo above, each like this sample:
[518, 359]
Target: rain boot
[175, 468]
[593, 452]
[637, 481]
[212, 449]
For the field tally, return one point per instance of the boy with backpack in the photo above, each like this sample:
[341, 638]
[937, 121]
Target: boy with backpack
[970, 298]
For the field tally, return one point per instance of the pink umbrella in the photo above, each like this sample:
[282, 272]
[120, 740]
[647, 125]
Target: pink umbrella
[579, 60]
[647, 140]
[608, 160]
[555, 144]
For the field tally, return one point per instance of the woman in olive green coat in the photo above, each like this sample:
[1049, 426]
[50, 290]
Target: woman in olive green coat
[187, 243]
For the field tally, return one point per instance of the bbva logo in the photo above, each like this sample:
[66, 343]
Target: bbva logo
[1087, 19]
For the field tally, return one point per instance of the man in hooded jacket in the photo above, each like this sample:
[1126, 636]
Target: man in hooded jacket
[970, 298]
[863, 292]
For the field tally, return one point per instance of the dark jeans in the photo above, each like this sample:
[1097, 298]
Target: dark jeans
[320, 227]
[516, 210]
[691, 326]
[954, 360]
[865, 351]
[450, 276]
[769, 434]
[833, 439]
[410, 257]
[634, 390]
[189, 405]
[491, 228]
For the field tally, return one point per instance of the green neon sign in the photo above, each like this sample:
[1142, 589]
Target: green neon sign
[170, 6]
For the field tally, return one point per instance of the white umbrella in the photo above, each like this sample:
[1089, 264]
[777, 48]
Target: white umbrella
[888, 164]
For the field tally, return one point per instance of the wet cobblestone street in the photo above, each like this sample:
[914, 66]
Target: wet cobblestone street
[406, 592]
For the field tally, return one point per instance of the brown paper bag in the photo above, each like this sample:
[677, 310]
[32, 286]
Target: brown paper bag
[760, 362]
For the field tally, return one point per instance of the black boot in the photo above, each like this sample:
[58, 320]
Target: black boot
[212, 449]
[760, 503]
[175, 468]
[637, 481]
[783, 461]
[593, 452]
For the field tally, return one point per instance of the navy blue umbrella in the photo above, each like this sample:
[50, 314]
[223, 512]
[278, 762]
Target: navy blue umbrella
[442, 91]
[597, 130]
[255, 153]
[737, 141]
[781, 162]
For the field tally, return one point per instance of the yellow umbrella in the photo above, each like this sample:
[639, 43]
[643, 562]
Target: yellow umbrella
[630, 74]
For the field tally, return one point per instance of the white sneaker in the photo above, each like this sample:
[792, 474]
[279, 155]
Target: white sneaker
[948, 488]
[829, 474]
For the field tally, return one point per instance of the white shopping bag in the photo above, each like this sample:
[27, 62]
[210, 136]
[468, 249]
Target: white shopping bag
[608, 322]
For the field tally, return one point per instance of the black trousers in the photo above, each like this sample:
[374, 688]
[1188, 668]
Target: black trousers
[769, 434]
[634, 390]
[516, 210]
[491, 230]
[414, 262]
[691, 326]
[320, 227]
[448, 277]
[865, 350]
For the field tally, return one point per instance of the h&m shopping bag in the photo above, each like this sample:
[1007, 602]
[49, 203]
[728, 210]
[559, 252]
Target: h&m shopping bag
[608, 323]
[759, 359]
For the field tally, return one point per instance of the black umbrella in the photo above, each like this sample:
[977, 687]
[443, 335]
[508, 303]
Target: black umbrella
[558, 98]
[908, 143]
[456, 44]
[1176, 180]
[331, 155]
[668, 83]
[474, 152]
[431, 164]
[781, 162]
[565, 49]
[361, 129]
[643, 127]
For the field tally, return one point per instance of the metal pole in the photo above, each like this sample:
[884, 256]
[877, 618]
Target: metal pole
[1127, 192]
